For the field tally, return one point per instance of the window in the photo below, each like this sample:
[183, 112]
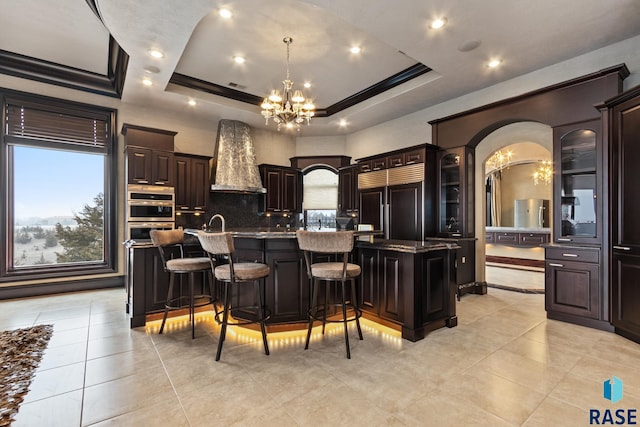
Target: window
[58, 165]
[320, 200]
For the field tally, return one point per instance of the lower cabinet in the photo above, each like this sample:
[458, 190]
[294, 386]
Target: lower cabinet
[573, 286]
[286, 290]
[413, 290]
[148, 283]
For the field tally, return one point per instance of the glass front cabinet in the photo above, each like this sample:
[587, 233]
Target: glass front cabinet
[455, 183]
[577, 184]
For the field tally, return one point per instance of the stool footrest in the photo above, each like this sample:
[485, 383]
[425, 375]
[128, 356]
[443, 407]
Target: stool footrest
[183, 302]
[239, 322]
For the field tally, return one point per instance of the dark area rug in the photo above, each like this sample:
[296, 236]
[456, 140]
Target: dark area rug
[20, 353]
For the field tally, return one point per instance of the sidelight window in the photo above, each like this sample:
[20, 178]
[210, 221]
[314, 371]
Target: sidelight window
[58, 166]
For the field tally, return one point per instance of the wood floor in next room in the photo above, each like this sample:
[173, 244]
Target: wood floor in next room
[504, 364]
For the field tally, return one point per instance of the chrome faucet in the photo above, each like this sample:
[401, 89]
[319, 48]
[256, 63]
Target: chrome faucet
[221, 220]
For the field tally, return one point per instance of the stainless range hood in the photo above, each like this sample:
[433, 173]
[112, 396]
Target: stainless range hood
[234, 166]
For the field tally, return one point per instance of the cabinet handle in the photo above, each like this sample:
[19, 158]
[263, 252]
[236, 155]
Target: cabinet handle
[562, 239]
[553, 264]
[456, 234]
[141, 181]
[159, 183]
[571, 255]
[622, 248]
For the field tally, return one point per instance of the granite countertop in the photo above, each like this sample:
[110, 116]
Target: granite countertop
[409, 246]
[518, 229]
[269, 233]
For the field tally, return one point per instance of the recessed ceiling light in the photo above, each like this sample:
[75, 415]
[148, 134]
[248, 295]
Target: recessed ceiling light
[355, 50]
[494, 63]
[192, 102]
[239, 59]
[307, 85]
[156, 53]
[147, 82]
[438, 23]
[225, 13]
[342, 123]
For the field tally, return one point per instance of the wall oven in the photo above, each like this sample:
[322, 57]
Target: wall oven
[139, 231]
[150, 203]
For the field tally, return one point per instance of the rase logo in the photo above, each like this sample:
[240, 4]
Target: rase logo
[612, 391]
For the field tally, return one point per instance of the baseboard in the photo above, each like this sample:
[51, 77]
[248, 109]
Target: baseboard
[515, 261]
[24, 291]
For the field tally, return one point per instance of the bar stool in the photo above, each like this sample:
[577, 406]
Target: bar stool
[164, 240]
[332, 242]
[235, 273]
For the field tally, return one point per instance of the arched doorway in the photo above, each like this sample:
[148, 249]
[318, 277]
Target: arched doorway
[529, 143]
[527, 133]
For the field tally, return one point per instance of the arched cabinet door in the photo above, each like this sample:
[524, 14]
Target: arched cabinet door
[578, 183]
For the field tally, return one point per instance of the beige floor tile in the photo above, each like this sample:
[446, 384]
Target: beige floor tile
[169, 413]
[538, 376]
[552, 412]
[51, 382]
[63, 355]
[110, 399]
[120, 365]
[62, 410]
[501, 397]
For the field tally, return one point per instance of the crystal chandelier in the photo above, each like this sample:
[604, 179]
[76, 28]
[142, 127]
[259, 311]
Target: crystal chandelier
[499, 160]
[544, 173]
[289, 108]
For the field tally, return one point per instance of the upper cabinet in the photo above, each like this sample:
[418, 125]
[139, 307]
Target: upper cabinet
[191, 183]
[578, 184]
[348, 189]
[149, 155]
[455, 196]
[284, 189]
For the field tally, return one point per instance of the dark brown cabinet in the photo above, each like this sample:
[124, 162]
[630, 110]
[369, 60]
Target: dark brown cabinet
[578, 187]
[191, 183]
[284, 189]
[348, 189]
[623, 116]
[397, 210]
[456, 193]
[572, 284]
[149, 155]
[286, 287]
[413, 290]
[148, 166]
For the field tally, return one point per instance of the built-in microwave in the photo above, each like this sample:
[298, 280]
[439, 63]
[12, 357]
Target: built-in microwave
[139, 231]
[148, 203]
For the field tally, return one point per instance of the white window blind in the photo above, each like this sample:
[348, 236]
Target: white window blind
[320, 190]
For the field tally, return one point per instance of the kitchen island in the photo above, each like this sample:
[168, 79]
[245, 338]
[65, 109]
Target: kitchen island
[406, 285]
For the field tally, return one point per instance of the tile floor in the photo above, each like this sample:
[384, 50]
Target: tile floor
[523, 280]
[505, 364]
